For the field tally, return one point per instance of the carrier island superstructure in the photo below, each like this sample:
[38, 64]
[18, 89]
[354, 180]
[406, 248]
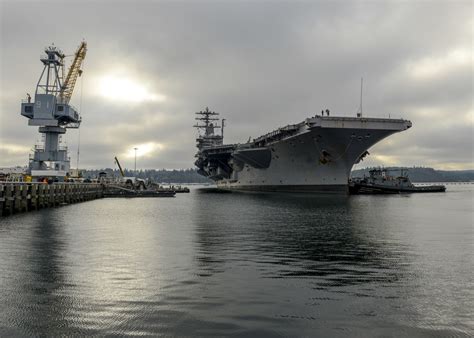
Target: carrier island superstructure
[51, 112]
[316, 154]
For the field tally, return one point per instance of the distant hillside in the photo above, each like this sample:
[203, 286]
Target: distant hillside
[416, 174]
[421, 174]
[159, 176]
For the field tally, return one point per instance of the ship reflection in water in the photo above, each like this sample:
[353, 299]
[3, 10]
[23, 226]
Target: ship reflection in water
[244, 264]
[299, 235]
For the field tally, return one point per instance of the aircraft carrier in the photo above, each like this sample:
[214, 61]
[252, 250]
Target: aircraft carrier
[315, 155]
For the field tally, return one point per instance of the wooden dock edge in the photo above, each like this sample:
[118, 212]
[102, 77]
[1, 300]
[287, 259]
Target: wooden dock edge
[22, 197]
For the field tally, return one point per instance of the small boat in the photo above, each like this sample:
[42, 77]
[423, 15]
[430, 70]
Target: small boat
[179, 189]
[380, 182]
[171, 188]
[120, 191]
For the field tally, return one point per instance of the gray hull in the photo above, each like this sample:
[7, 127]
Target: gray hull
[315, 155]
[343, 188]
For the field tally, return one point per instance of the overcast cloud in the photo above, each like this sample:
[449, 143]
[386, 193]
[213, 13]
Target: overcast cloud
[150, 65]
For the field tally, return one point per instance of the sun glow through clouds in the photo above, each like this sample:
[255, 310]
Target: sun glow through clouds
[14, 148]
[122, 88]
[431, 66]
[144, 150]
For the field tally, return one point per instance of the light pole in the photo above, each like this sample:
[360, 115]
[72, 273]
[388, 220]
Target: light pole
[135, 160]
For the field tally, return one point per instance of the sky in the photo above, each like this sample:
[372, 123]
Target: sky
[151, 65]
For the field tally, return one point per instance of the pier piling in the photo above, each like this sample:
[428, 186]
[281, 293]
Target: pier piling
[22, 197]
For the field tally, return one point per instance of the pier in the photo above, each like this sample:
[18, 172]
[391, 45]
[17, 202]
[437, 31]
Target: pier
[21, 197]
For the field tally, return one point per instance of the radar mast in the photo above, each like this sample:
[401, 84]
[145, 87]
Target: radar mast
[207, 121]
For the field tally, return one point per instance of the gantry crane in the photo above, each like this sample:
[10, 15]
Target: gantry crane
[52, 113]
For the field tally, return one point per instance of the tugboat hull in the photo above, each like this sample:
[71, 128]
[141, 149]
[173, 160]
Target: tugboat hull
[362, 188]
[380, 182]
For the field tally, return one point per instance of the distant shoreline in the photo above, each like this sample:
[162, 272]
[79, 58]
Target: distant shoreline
[190, 176]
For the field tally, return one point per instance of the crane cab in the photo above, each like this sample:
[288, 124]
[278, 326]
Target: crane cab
[46, 111]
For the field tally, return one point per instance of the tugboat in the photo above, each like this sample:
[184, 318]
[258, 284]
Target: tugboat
[380, 182]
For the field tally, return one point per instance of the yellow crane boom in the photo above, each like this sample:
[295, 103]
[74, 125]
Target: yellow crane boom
[73, 73]
[119, 166]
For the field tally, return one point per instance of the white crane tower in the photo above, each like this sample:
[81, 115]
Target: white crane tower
[52, 112]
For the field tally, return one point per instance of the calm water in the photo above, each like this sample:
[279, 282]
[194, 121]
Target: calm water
[242, 264]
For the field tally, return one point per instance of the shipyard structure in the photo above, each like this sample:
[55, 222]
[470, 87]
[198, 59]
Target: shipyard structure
[316, 154]
[51, 111]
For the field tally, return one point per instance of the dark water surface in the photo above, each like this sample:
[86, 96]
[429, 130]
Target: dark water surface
[242, 264]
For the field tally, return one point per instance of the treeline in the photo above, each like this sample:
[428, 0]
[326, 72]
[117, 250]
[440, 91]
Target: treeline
[157, 175]
[416, 174]
[422, 174]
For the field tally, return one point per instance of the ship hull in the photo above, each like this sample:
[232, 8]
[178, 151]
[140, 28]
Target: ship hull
[342, 188]
[317, 157]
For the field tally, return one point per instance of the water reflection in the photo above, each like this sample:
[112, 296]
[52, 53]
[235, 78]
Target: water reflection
[294, 235]
[240, 264]
[43, 292]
